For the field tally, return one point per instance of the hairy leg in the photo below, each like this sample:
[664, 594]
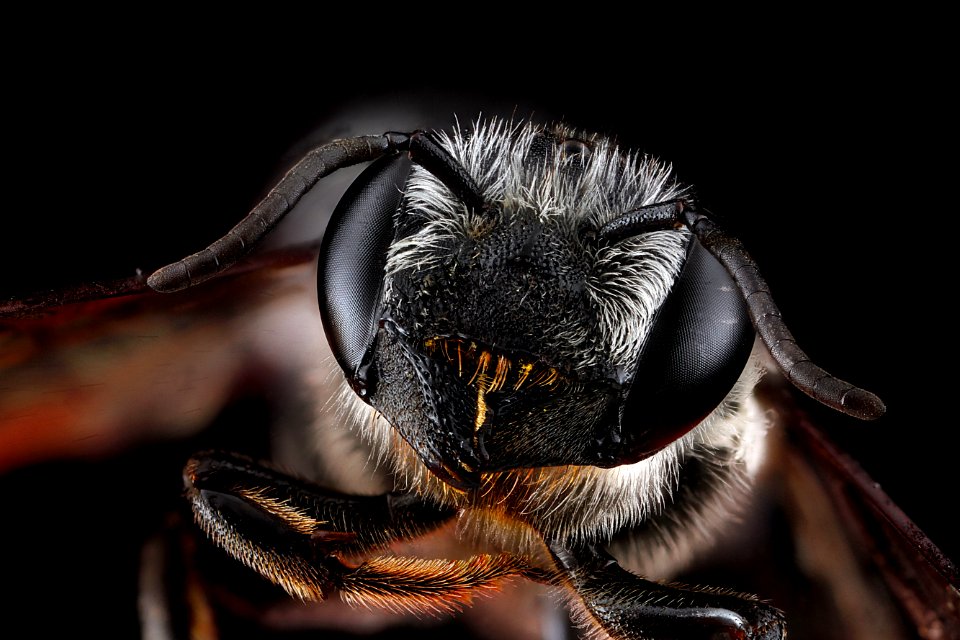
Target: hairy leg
[299, 536]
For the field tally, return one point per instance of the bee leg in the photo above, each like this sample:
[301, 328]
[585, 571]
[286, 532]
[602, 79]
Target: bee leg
[627, 607]
[299, 536]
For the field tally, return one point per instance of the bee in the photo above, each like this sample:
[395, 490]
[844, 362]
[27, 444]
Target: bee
[546, 344]
[512, 411]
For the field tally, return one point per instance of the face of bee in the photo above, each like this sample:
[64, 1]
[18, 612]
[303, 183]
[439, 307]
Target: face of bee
[509, 337]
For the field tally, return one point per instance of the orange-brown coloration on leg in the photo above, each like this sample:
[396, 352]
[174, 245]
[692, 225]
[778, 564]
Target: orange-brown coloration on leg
[429, 586]
[294, 518]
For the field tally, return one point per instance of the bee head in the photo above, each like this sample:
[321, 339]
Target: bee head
[488, 303]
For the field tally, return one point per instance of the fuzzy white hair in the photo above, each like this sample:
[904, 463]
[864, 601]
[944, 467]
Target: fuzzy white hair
[627, 282]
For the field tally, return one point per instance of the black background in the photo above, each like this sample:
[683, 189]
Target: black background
[124, 156]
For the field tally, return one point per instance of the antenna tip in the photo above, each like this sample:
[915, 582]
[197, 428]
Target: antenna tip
[173, 277]
[862, 404]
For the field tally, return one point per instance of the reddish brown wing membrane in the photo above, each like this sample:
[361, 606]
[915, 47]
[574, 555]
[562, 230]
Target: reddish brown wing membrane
[917, 576]
[823, 543]
[102, 367]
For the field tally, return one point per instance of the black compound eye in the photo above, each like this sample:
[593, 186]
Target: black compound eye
[352, 258]
[694, 354]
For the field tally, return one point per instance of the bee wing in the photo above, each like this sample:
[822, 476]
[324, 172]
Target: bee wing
[883, 541]
[838, 554]
[821, 541]
[98, 368]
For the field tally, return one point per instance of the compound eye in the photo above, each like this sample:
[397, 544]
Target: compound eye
[352, 258]
[693, 356]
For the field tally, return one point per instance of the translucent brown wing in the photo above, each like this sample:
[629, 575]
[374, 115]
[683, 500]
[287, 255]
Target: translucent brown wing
[824, 543]
[99, 368]
[878, 555]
